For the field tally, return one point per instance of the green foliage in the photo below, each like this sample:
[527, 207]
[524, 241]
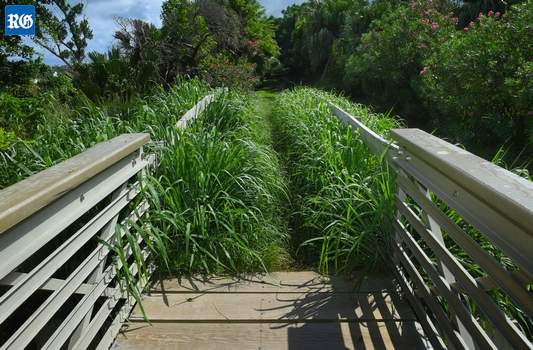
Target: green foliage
[391, 52]
[342, 194]
[63, 30]
[108, 76]
[60, 132]
[416, 58]
[492, 57]
[227, 43]
[21, 114]
[221, 71]
[218, 194]
[6, 139]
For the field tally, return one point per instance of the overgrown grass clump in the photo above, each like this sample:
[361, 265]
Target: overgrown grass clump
[218, 191]
[62, 133]
[342, 194]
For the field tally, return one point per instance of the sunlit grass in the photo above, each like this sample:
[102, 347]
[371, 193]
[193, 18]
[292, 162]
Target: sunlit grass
[218, 192]
[342, 194]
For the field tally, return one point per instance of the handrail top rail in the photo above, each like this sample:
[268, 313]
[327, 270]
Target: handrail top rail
[377, 143]
[506, 192]
[26, 197]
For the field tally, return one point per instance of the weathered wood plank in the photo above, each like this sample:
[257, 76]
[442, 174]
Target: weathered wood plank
[26, 197]
[273, 307]
[282, 282]
[230, 336]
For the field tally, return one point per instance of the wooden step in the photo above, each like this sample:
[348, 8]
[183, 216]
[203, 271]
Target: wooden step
[265, 336]
[273, 307]
[284, 282]
[284, 310]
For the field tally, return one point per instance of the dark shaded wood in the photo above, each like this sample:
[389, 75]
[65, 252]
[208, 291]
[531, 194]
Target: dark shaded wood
[283, 282]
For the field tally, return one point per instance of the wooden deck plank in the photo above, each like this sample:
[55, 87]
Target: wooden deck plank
[273, 307]
[290, 336]
[283, 282]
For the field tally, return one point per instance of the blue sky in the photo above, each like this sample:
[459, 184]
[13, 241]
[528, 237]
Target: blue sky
[101, 14]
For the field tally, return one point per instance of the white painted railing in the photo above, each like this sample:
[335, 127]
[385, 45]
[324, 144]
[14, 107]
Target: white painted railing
[59, 281]
[431, 174]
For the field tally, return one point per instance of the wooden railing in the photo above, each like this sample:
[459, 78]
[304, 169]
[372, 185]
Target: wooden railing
[59, 287]
[59, 282]
[434, 177]
[57, 279]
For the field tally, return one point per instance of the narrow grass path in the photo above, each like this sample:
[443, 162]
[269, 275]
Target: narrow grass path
[264, 106]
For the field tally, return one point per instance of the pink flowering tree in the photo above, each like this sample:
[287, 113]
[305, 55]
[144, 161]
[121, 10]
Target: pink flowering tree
[482, 79]
[389, 61]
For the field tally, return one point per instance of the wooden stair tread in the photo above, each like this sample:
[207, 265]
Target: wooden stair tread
[283, 310]
[308, 336]
[285, 282]
[273, 307]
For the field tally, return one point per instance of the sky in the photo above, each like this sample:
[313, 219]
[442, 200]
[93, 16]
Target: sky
[101, 15]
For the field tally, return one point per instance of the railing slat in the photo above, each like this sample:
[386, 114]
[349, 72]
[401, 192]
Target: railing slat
[41, 316]
[33, 280]
[496, 272]
[424, 291]
[20, 242]
[97, 274]
[92, 329]
[26, 197]
[495, 201]
[470, 323]
[489, 308]
[109, 336]
[69, 324]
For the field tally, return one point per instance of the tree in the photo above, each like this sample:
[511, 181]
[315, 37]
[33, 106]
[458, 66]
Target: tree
[65, 36]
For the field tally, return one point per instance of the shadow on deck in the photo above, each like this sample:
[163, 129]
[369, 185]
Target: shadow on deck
[285, 310]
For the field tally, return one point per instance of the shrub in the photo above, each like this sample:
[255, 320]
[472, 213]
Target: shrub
[388, 61]
[220, 71]
[481, 79]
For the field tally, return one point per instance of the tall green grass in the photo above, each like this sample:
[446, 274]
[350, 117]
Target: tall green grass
[342, 194]
[218, 193]
[62, 133]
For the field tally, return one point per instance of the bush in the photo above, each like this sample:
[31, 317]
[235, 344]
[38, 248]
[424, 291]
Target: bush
[481, 79]
[388, 61]
[220, 71]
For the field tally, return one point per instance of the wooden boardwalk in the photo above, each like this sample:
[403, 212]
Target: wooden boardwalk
[285, 310]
